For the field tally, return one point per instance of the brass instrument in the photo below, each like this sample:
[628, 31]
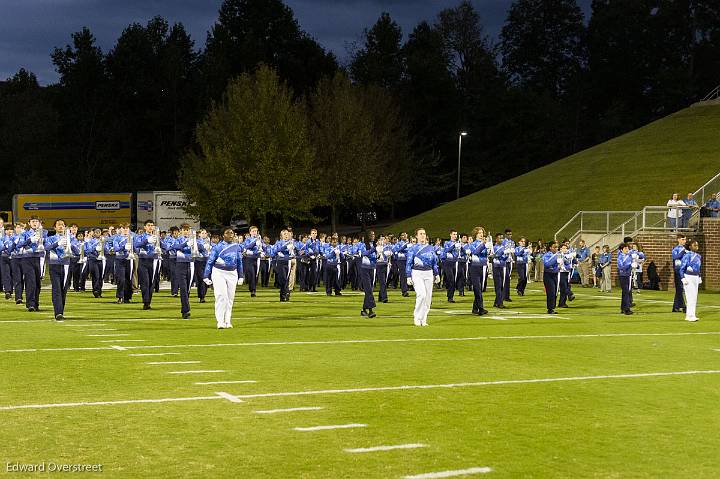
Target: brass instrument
[194, 250]
[158, 248]
[39, 235]
[68, 244]
[101, 253]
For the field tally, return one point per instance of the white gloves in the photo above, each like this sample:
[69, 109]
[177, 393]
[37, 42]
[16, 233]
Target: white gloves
[62, 242]
[281, 255]
[634, 265]
[560, 260]
[207, 281]
[467, 252]
[388, 253]
[449, 255]
[437, 279]
[634, 256]
[128, 246]
[98, 248]
[677, 263]
[409, 281]
[417, 261]
[152, 239]
[684, 281]
[690, 270]
[258, 243]
[241, 280]
[508, 251]
[33, 239]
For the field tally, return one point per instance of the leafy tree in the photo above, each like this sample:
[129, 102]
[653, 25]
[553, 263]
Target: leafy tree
[81, 101]
[379, 61]
[251, 32]
[253, 157]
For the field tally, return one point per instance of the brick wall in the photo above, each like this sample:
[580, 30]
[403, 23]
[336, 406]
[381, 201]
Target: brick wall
[658, 248]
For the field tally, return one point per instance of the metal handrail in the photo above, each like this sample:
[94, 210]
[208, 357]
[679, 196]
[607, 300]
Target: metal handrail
[713, 94]
[701, 190]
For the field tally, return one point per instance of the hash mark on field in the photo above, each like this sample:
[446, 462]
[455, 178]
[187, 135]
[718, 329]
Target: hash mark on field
[459, 472]
[173, 362]
[385, 448]
[151, 354]
[224, 382]
[90, 325]
[292, 409]
[229, 397]
[198, 372]
[106, 335]
[123, 340]
[323, 428]
[119, 348]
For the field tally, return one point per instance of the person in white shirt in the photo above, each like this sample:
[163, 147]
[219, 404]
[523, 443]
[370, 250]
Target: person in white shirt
[675, 205]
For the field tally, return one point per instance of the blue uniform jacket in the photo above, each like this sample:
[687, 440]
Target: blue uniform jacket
[422, 258]
[691, 264]
[225, 256]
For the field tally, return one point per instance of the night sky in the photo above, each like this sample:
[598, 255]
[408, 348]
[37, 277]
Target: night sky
[30, 29]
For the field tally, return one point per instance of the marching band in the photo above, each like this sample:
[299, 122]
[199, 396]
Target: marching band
[186, 258]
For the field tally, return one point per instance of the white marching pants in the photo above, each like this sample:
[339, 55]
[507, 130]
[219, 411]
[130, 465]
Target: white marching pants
[691, 294]
[224, 284]
[423, 284]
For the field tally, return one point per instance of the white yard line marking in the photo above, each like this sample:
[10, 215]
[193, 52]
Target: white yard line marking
[109, 403]
[174, 362]
[369, 389]
[385, 448]
[106, 335]
[323, 428]
[224, 382]
[83, 325]
[459, 472]
[360, 341]
[119, 348]
[106, 329]
[198, 371]
[292, 409]
[229, 397]
[123, 341]
[150, 354]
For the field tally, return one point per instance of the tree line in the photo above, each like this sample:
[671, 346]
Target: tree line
[262, 123]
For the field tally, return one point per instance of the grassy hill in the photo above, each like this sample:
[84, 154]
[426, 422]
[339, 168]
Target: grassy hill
[678, 153]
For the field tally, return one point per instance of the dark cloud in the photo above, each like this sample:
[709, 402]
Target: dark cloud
[30, 29]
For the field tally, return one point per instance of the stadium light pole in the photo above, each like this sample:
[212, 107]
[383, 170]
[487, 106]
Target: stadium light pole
[460, 137]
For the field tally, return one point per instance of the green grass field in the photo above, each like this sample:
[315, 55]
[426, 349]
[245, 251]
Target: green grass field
[521, 393]
[640, 168]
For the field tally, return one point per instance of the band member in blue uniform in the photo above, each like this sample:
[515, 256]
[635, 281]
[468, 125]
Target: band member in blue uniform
[122, 246]
[224, 271]
[368, 259]
[174, 232]
[400, 256]
[61, 248]
[551, 262]
[422, 271]
[147, 246]
[690, 269]
[625, 265]
[16, 256]
[333, 259]
[183, 246]
[384, 252]
[283, 251]
[95, 254]
[6, 245]
[252, 248]
[564, 276]
[500, 263]
[509, 246]
[478, 251]
[522, 258]
[32, 243]
[677, 255]
[201, 263]
[451, 257]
